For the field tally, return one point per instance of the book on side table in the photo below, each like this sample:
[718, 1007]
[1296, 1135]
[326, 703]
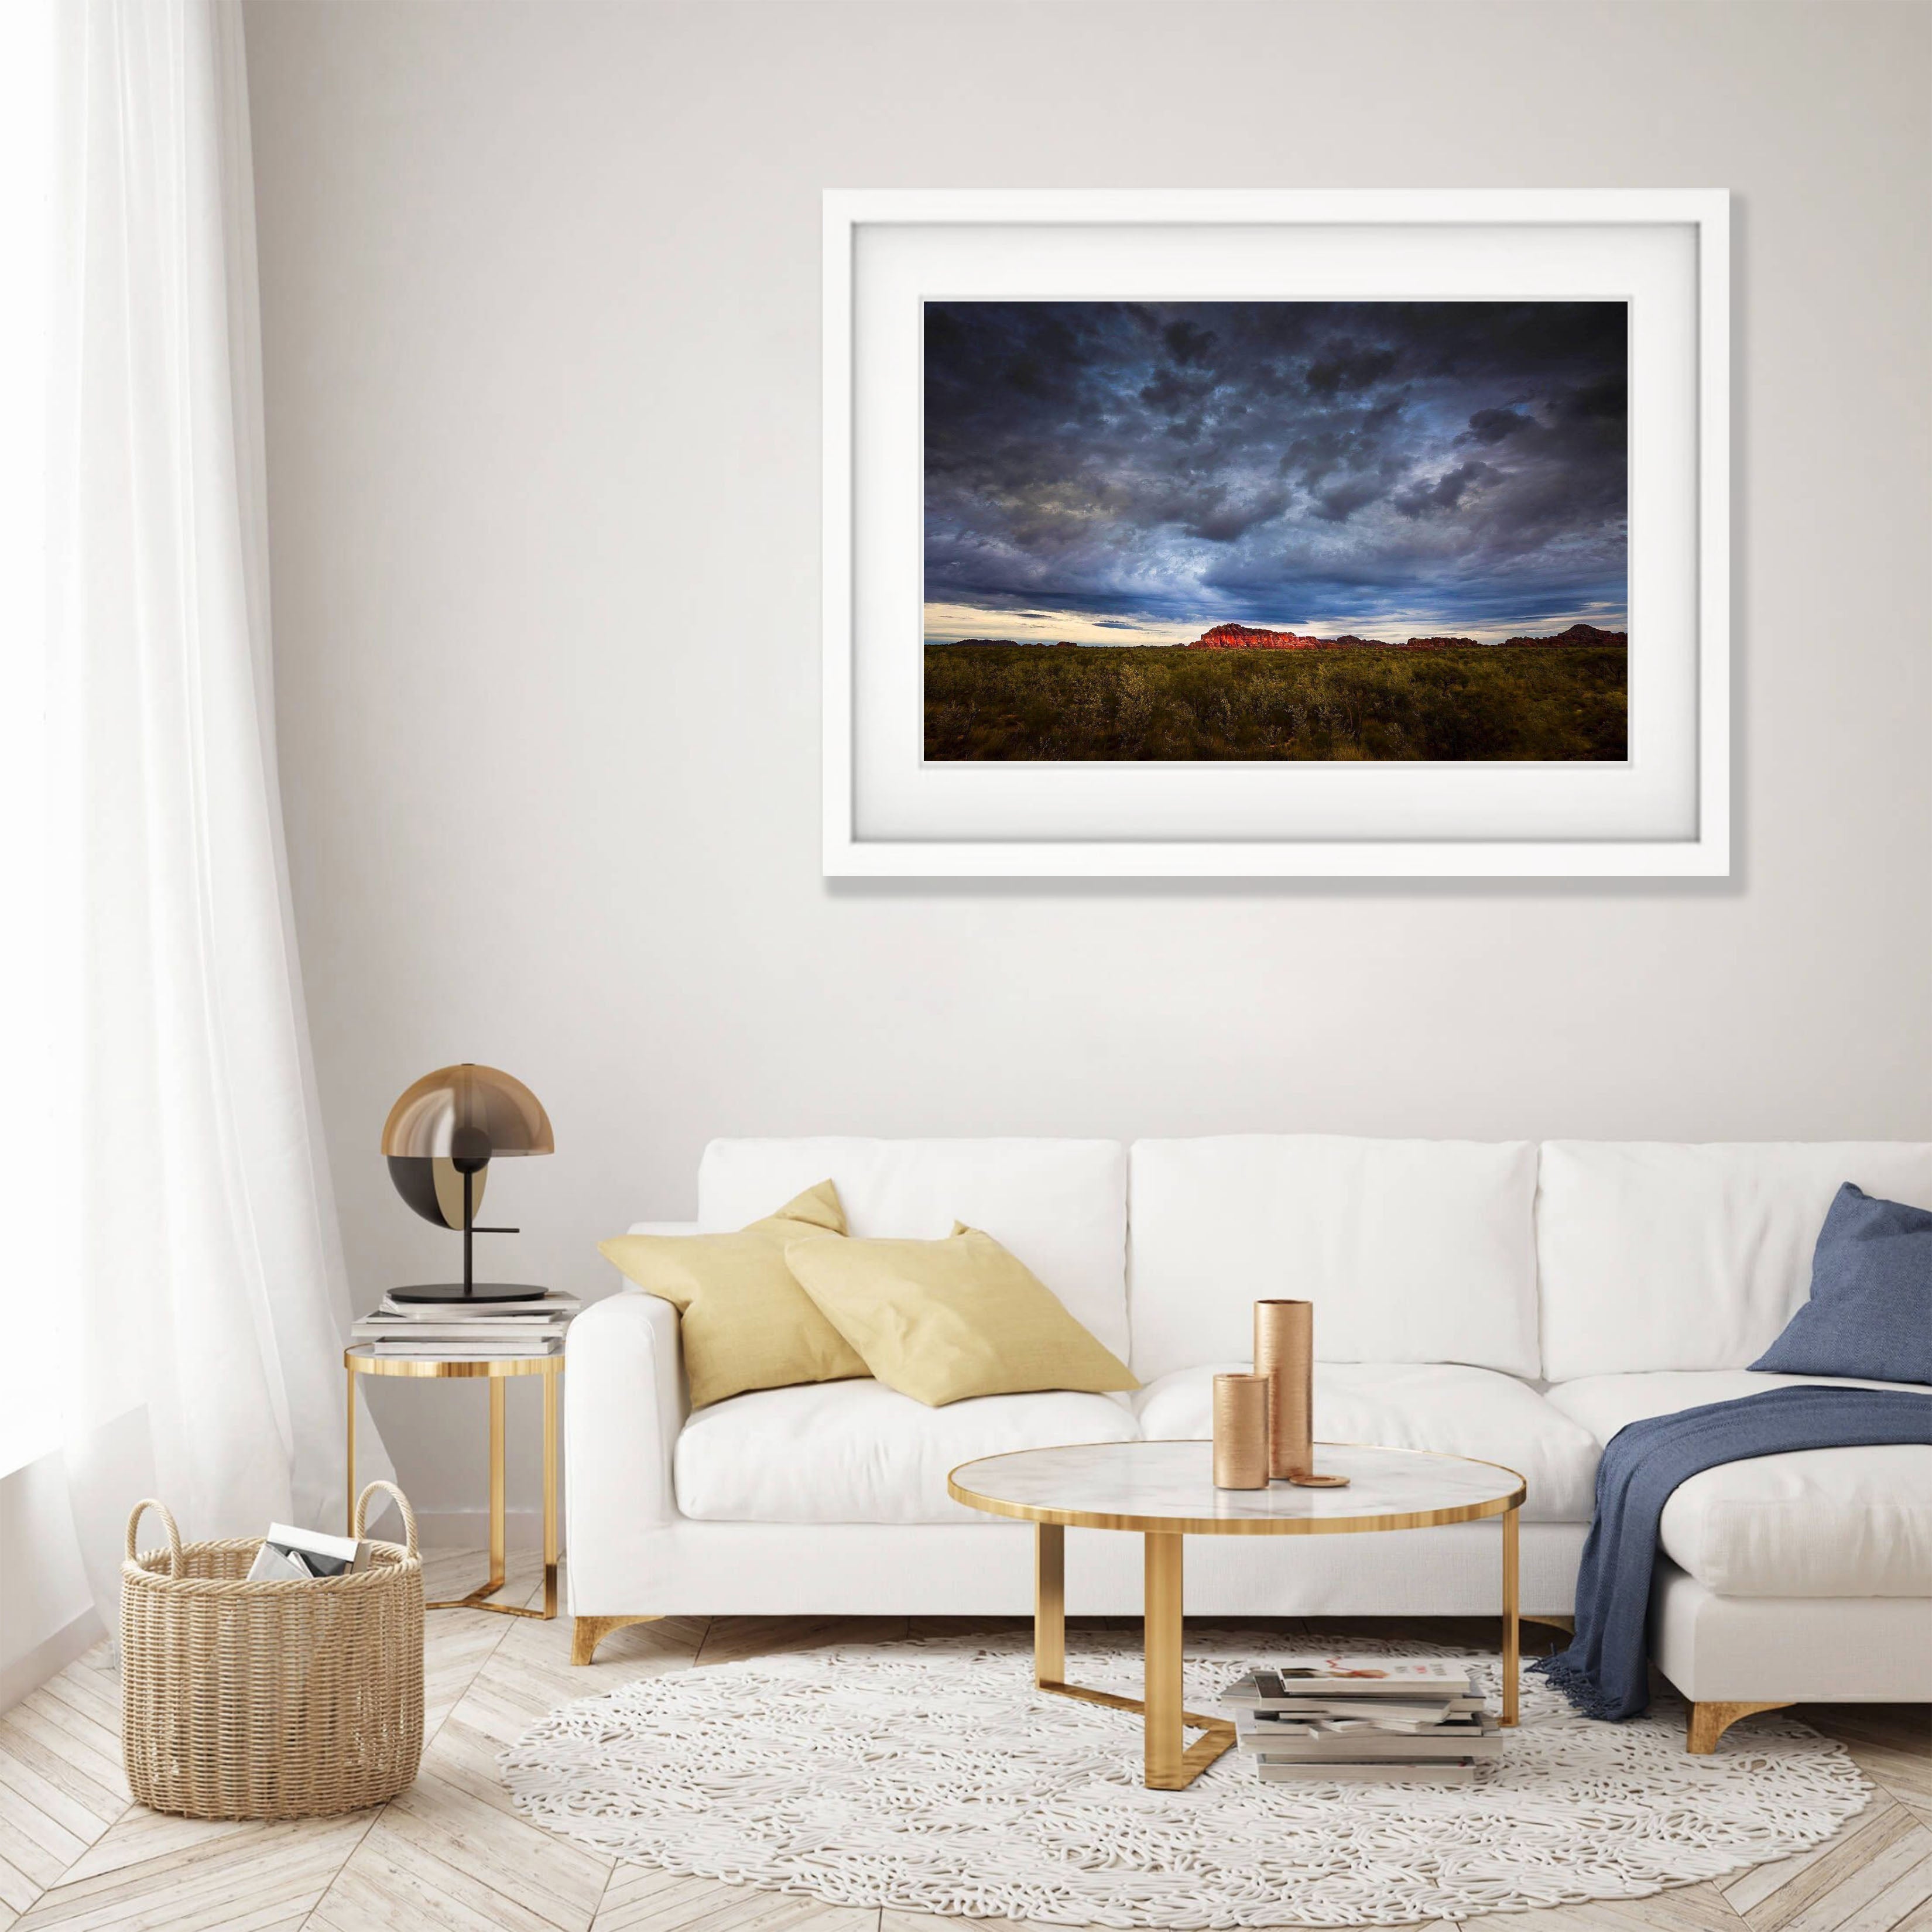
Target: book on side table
[1417, 1719]
[488, 1331]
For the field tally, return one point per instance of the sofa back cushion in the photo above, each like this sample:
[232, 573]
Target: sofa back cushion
[1060, 1205]
[1656, 1256]
[1411, 1251]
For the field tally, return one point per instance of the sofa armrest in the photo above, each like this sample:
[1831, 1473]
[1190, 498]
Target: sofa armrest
[625, 1406]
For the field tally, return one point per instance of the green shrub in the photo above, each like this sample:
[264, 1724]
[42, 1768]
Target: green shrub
[1012, 701]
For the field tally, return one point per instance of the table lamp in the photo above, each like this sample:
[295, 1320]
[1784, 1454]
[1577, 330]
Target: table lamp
[439, 1140]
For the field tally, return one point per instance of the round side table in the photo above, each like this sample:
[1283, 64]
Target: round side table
[363, 1360]
[1166, 1491]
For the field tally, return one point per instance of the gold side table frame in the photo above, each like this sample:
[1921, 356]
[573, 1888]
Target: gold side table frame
[363, 1361]
[1172, 1764]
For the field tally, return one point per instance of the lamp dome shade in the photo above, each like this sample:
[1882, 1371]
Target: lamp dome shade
[434, 1189]
[468, 1115]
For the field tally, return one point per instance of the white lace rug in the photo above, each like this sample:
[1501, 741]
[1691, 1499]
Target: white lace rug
[930, 1776]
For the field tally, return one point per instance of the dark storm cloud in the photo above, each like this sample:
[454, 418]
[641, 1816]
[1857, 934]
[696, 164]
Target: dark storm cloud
[1320, 463]
[1185, 343]
[1446, 493]
[1494, 425]
[1349, 368]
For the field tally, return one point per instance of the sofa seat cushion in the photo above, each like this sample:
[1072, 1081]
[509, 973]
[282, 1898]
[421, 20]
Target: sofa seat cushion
[1812, 1522]
[1458, 1412]
[860, 1452]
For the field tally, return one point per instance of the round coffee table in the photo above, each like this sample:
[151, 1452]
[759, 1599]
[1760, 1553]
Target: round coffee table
[1165, 1490]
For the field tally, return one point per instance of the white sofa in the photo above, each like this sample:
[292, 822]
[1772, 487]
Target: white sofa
[1506, 1300]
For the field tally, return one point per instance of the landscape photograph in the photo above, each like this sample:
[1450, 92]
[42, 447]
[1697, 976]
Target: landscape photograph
[1275, 530]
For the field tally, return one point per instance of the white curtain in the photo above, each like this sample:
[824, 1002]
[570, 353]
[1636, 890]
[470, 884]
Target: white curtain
[207, 1289]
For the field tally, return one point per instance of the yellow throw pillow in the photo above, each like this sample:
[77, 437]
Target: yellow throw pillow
[745, 1322]
[941, 1321]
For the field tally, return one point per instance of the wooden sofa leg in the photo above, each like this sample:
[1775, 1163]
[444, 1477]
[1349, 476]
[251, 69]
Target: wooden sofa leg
[588, 1632]
[1709, 1722]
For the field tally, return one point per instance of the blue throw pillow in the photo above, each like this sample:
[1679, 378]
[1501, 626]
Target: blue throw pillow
[1870, 1310]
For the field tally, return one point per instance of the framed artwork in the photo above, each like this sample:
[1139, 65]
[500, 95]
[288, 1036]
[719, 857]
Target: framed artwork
[1276, 532]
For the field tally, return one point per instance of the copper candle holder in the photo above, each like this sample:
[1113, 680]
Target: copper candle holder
[1285, 1354]
[1241, 1432]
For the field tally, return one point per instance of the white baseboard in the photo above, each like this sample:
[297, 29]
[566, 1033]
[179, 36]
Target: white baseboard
[469, 1528]
[51, 1655]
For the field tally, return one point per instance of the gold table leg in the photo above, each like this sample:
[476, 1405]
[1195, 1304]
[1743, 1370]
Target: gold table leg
[500, 1487]
[349, 1500]
[1160, 1649]
[1168, 1766]
[499, 1509]
[1049, 1606]
[1512, 1628]
[549, 1495]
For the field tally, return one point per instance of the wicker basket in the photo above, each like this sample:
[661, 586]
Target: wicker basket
[269, 1700]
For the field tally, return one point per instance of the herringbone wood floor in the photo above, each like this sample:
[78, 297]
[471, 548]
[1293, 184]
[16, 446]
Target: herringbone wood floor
[451, 1852]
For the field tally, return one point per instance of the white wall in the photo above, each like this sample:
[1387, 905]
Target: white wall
[46, 1614]
[540, 286]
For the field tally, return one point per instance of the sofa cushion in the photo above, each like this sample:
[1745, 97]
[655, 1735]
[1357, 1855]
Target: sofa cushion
[743, 1321]
[1411, 1251]
[860, 1452]
[1656, 1256]
[1405, 1405]
[1060, 1205]
[1812, 1522]
[1870, 1309]
[944, 1321]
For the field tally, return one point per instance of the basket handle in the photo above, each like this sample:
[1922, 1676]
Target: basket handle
[167, 1523]
[402, 1503]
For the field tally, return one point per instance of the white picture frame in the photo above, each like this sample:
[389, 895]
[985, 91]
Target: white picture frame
[1663, 812]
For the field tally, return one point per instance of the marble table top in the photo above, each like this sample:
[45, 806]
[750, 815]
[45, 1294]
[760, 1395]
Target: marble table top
[1169, 1486]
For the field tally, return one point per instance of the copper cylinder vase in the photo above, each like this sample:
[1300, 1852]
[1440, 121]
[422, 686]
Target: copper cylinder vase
[1285, 1354]
[1241, 1432]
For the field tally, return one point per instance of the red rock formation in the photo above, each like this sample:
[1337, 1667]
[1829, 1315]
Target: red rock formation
[1577, 633]
[1245, 638]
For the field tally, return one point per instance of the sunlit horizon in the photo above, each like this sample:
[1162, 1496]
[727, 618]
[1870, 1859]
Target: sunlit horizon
[954, 623]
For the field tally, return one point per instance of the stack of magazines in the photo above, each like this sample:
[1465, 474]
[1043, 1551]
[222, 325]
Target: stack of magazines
[1408, 1720]
[290, 1555]
[468, 1331]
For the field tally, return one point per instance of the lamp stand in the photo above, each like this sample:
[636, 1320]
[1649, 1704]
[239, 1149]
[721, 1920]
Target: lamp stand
[449, 1294]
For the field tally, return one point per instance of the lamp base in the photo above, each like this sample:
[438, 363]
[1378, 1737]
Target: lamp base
[440, 1292]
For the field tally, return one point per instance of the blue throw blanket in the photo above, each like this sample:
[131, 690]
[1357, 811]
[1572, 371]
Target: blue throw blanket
[1603, 1672]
